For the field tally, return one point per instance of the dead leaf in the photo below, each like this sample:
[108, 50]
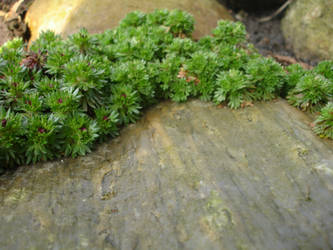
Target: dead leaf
[246, 104]
[182, 73]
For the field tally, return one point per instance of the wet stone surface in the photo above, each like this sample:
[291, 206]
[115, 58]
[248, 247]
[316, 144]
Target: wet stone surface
[186, 176]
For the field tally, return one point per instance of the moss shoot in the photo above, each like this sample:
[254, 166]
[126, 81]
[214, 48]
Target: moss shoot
[60, 97]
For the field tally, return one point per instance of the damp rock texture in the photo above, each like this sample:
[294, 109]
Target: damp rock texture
[308, 28]
[186, 176]
[67, 17]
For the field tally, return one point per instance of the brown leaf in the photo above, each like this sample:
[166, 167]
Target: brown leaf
[182, 73]
[246, 104]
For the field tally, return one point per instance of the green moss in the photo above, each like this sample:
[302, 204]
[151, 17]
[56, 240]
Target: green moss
[324, 122]
[62, 96]
[218, 216]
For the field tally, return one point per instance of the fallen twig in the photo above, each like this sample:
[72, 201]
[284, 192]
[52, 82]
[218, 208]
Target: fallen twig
[282, 8]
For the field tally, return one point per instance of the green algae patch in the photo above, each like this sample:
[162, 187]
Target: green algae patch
[15, 196]
[219, 217]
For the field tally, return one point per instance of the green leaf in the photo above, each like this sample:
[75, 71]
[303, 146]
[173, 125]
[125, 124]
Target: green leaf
[324, 122]
[125, 101]
[61, 96]
[228, 32]
[233, 88]
[310, 92]
[267, 76]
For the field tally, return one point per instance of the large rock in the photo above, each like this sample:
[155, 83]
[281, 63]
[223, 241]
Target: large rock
[308, 28]
[187, 176]
[66, 17]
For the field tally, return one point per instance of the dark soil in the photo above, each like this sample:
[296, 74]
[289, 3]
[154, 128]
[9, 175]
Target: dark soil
[6, 4]
[12, 20]
[252, 5]
[267, 36]
[5, 34]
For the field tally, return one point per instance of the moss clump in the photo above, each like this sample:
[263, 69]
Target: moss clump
[324, 122]
[60, 97]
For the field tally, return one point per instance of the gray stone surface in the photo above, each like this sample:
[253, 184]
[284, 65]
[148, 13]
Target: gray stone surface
[186, 176]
